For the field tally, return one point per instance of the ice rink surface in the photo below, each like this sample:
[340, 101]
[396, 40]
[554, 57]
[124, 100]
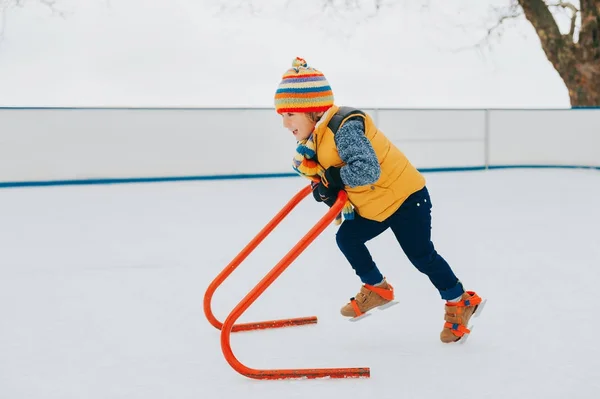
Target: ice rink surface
[101, 291]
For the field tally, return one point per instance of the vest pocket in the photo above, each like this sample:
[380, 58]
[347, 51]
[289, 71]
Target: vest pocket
[371, 200]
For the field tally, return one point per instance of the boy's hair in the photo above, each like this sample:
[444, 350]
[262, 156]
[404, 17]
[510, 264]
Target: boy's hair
[314, 116]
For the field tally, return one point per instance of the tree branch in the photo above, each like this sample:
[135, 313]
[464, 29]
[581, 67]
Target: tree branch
[553, 44]
[589, 35]
[568, 5]
[501, 22]
[501, 17]
[574, 13]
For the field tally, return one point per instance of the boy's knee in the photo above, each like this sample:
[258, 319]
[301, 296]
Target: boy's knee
[341, 239]
[346, 238]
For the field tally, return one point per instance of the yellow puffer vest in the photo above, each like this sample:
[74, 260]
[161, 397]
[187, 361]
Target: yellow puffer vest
[398, 180]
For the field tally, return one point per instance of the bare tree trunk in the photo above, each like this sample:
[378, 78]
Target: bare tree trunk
[578, 63]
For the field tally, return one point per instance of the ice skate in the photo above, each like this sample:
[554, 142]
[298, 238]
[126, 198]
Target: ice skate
[369, 297]
[458, 315]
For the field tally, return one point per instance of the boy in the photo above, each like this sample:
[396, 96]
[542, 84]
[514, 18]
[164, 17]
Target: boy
[342, 149]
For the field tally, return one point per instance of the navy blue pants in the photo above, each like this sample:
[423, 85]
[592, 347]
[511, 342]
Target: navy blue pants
[411, 224]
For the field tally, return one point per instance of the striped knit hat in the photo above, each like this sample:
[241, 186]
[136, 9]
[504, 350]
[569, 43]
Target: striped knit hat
[303, 89]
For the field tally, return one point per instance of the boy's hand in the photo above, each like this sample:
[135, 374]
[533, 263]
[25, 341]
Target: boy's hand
[333, 179]
[326, 190]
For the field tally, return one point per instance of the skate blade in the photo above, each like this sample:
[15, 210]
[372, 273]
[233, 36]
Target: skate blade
[382, 307]
[387, 305]
[464, 338]
[480, 308]
[359, 318]
[477, 312]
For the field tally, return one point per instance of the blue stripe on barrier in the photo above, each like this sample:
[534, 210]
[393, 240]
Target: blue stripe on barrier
[140, 180]
[543, 167]
[256, 176]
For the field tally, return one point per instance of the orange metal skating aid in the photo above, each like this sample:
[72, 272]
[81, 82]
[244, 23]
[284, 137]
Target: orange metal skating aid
[229, 326]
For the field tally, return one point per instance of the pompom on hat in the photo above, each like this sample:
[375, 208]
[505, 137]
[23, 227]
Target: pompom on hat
[303, 89]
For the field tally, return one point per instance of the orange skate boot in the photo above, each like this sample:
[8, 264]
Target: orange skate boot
[458, 315]
[379, 296]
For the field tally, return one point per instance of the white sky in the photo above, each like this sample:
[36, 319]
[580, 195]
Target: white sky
[101, 291]
[190, 53]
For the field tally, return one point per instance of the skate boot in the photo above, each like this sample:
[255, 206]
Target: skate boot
[368, 298]
[458, 315]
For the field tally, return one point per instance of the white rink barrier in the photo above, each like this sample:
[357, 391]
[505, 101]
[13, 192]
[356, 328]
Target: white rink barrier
[40, 146]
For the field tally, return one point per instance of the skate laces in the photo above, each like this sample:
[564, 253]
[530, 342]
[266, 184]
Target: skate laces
[456, 325]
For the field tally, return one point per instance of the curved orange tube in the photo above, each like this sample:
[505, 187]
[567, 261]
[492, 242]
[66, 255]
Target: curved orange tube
[245, 303]
[240, 258]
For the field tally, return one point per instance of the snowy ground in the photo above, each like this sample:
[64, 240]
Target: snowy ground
[101, 292]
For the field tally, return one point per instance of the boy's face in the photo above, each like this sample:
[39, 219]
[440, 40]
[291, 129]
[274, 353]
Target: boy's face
[299, 124]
